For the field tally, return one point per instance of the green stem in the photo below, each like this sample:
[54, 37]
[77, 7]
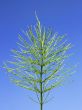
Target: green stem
[41, 95]
[41, 85]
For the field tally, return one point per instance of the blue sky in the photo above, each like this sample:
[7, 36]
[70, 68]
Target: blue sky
[64, 16]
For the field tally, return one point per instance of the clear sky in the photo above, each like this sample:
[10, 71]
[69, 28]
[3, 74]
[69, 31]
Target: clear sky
[65, 16]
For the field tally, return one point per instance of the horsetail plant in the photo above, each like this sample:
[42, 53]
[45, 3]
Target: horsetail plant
[38, 64]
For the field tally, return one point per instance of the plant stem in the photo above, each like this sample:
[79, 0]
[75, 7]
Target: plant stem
[41, 90]
[41, 95]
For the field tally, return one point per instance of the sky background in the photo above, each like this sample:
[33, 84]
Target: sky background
[64, 16]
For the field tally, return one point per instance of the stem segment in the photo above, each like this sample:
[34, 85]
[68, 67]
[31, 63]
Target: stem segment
[41, 88]
[41, 97]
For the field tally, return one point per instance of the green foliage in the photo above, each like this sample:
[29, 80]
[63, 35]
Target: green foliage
[38, 63]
